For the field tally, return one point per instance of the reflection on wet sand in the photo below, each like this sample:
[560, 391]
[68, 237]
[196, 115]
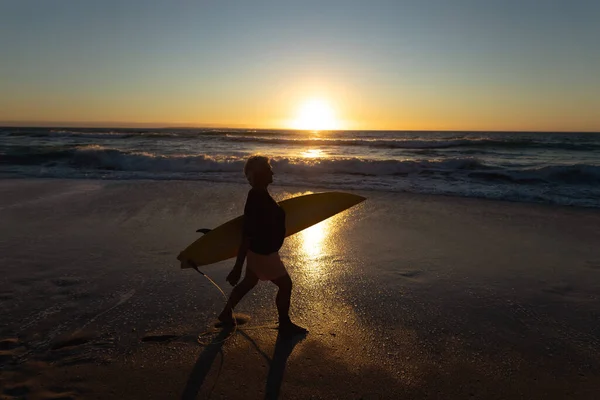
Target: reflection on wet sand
[313, 250]
[312, 245]
[318, 257]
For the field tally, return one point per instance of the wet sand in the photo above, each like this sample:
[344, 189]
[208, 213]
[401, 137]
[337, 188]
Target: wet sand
[405, 296]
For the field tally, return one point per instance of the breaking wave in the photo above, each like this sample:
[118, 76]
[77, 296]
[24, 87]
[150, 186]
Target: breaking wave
[109, 159]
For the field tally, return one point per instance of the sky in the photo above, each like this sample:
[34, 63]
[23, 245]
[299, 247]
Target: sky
[343, 64]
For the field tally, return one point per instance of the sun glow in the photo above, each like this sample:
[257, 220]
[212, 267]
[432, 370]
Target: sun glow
[315, 115]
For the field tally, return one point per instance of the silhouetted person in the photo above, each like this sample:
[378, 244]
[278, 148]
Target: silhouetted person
[263, 235]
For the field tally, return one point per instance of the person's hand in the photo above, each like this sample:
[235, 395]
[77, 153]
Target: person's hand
[234, 275]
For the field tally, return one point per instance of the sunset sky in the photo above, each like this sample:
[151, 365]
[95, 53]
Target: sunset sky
[428, 65]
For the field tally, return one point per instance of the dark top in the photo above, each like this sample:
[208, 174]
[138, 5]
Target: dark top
[264, 222]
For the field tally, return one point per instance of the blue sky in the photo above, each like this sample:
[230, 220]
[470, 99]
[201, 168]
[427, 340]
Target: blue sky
[530, 65]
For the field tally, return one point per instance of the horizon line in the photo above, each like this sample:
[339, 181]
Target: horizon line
[136, 125]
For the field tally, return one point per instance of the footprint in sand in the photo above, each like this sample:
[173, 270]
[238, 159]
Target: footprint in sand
[9, 344]
[27, 389]
[19, 390]
[71, 341]
[562, 290]
[79, 348]
[159, 338]
[66, 281]
[594, 265]
[59, 394]
[10, 348]
[410, 273]
[6, 296]
[171, 338]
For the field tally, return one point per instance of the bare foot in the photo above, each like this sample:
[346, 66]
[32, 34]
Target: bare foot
[289, 329]
[226, 317]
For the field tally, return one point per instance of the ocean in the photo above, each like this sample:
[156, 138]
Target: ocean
[555, 168]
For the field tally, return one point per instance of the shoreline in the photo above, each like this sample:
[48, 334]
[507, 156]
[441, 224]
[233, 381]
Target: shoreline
[301, 188]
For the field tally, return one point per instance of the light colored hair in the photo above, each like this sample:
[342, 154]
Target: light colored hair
[254, 164]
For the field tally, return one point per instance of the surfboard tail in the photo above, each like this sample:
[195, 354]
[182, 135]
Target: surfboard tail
[187, 264]
[184, 261]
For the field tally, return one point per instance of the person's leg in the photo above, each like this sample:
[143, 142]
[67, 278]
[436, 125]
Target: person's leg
[284, 294]
[239, 291]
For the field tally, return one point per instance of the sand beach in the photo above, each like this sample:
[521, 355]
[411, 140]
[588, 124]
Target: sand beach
[405, 296]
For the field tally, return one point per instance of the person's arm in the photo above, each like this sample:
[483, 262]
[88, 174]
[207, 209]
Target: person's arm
[251, 216]
[242, 251]
[236, 272]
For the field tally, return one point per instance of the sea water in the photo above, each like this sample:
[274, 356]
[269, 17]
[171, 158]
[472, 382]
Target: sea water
[557, 168]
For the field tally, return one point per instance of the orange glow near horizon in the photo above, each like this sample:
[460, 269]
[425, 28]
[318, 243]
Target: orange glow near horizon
[321, 106]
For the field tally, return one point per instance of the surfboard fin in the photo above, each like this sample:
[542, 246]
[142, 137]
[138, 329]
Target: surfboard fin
[204, 230]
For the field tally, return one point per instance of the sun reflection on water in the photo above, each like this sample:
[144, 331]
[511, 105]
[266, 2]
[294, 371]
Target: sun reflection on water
[313, 153]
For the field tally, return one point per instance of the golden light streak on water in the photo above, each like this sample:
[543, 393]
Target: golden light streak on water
[313, 153]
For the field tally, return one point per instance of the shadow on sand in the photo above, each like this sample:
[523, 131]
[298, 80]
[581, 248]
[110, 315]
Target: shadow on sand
[204, 364]
[283, 349]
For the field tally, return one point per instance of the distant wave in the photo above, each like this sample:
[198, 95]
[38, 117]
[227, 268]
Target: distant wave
[97, 133]
[97, 157]
[418, 143]
[287, 138]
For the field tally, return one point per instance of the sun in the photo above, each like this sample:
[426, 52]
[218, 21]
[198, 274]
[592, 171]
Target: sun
[315, 115]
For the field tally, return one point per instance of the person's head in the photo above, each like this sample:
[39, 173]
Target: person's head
[258, 171]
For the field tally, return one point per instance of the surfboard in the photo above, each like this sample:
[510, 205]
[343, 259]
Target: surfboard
[301, 212]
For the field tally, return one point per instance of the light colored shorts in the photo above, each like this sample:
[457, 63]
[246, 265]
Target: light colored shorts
[266, 268]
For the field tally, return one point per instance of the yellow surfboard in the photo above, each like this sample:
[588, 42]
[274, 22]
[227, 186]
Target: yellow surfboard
[301, 212]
